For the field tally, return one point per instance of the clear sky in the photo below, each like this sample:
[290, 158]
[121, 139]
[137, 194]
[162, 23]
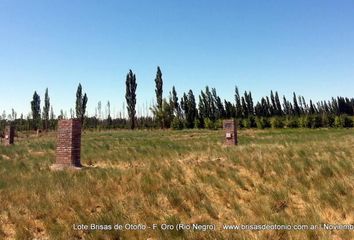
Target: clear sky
[306, 46]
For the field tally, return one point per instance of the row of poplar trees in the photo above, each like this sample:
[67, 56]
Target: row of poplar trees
[211, 109]
[45, 118]
[185, 112]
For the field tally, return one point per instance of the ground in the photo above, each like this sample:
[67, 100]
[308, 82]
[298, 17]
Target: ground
[288, 176]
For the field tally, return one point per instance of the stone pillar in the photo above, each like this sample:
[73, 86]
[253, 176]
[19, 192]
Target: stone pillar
[68, 144]
[9, 135]
[230, 130]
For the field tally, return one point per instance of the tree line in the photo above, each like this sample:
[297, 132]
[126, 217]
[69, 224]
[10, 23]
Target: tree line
[184, 111]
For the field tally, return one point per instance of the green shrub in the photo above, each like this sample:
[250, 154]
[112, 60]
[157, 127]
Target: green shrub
[292, 122]
[218, 124]
[327, 120]
[252, 121]
[262, 122]
[316, 121]
[198, 123]
[246, 123]
[343, 121]
[240, 123]
[348, 122]
[249, 122]
[259, 123]
[209, 124]
[338, 122]
[177, 123]
[266, 122]
[311, 121]
[305, 121]
[276, 122]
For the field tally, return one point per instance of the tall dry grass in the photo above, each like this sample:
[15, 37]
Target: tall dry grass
[274, 176]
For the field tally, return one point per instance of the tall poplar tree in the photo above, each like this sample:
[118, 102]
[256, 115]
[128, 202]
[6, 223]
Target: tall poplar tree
[273, 108]
[244, 107]
[36, 110]
[189, 107]
[130, 96]
[159, 90]
[296, 105]
[219, 107]
[175, 103]
[238, 103]
[46, 109]
[278, 104]
[210, 104]
[81, 103]
[192, 110]
[249, 102]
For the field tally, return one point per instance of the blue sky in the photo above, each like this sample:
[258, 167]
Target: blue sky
[302, 46]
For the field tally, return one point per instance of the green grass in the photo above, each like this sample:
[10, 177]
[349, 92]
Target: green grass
[287, 176]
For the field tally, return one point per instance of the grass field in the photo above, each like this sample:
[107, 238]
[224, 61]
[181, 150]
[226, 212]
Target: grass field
[289, 176]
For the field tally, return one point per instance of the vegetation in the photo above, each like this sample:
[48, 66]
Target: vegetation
[46, 108]
[36, 110]
[208, 112]
[282, 176]
[130, 96]
[81, 102]
[159, 92]
[189, 108]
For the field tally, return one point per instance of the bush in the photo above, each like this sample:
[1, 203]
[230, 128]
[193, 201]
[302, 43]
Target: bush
[327, 120]
[311, 121]
[343, 121]
[198, 123]
[177, 123]
[292, 122]
[208, 123]
[218, 124]
[305, 121]
[246, 123]
[240, 123]
[276, 122]
[259, 123]
[348, 122]
[262, 122]
[316, 121]
[338, 122]
[249, 122]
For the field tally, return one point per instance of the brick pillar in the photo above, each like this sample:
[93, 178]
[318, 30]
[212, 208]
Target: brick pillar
[230, 130]
[9, 135]
[68, 144]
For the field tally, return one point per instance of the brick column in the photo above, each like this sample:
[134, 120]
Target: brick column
[9, 135]
[68, 144]
[230, 130]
